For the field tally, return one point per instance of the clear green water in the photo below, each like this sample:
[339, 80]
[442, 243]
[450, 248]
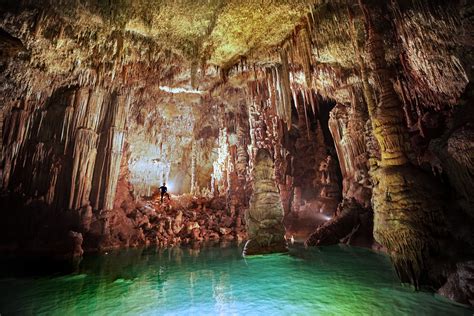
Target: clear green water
[218, 281]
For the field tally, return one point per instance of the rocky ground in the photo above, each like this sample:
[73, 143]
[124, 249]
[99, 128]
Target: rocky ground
[186, 219]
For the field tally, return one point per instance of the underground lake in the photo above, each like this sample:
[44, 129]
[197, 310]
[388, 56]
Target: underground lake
[217, 280]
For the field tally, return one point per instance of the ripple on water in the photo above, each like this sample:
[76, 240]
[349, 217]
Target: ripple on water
[180, 281]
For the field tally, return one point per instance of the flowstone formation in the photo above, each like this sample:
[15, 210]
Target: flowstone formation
[264, 218]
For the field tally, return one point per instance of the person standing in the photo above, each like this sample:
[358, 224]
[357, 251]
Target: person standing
[163, 190]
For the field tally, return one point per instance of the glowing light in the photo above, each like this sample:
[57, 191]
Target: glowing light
[322, 216]
[298, 78]
[327, 218]
[170, 186]
[219, 166]
[146, 173]
[180, 90]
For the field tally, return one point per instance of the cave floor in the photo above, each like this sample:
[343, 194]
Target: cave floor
[189, 219]
[186, 219]
[336, 280]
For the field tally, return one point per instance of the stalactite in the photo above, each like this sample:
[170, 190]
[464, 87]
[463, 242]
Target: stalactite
[67, 126]
[303, 122]
[304, 50]
[425, 63]
[194, 187]
[285, 89]
[312, 101]
[84, 155]
[16, 126]
[220, 165]
[346, 125]
[115, 147]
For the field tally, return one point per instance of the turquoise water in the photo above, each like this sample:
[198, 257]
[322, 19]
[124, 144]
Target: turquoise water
[218, 281]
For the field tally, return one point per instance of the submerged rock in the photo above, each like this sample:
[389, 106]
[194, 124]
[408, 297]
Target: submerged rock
[460, 284]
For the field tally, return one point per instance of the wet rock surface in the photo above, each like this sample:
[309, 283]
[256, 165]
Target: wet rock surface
[460, 284]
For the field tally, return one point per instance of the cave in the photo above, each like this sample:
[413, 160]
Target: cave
[236, 157]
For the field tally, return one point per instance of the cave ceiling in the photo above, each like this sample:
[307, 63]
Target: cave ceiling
[179, 44]
[185, 63]
[216, 31]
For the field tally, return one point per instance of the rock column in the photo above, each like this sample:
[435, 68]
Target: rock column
[407, 202]
[264, 217]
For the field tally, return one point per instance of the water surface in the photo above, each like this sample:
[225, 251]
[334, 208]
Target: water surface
[218, 281]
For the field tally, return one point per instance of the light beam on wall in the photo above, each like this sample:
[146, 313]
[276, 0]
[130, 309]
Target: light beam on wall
[180, 90]
[147, 173]
[170, 186]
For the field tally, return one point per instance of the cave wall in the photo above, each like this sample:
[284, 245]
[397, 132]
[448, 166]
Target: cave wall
[401, 87]
[288, 121]
[51, 151]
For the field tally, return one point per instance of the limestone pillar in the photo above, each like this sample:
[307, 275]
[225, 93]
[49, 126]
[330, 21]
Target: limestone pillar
[265, 214]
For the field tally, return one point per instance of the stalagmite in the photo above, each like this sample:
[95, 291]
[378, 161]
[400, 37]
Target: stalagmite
[264, 217]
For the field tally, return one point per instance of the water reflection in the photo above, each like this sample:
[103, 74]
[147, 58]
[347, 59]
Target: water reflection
[159, 273]
[210, 280]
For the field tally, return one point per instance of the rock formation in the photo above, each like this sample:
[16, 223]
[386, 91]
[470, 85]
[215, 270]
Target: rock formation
[353, 225]
[264, 218]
